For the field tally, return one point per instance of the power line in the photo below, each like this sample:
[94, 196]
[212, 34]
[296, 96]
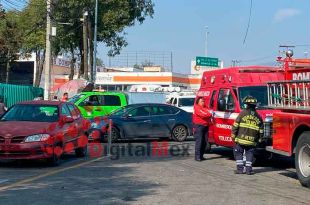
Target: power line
[304, 45]
[11, 5]
[257, 59]
[247, 29]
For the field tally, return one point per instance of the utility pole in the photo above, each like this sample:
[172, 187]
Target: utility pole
[48, 52]
[95, 45]
[171, 61]
[206, 43]
[85, 45]
[90, 47]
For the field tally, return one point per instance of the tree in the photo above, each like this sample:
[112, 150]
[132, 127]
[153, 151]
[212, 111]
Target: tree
[99, 62]
[113, 17]
[33, 24]
[2, 12]
[10, 40]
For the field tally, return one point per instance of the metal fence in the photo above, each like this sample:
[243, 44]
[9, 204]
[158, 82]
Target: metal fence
[142, 58]
[12, 94]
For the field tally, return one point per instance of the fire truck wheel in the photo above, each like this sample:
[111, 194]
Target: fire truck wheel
[302, 159]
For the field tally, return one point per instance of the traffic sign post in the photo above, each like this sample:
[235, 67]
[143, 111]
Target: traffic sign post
[207, 61]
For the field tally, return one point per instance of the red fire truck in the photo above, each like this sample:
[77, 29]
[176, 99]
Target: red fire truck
[291, 125]
[223, 91]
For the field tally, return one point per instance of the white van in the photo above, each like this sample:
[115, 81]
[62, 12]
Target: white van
[184, 102]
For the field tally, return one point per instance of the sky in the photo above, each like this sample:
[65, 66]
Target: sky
[178, 26]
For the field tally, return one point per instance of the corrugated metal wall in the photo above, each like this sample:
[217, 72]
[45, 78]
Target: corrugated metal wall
[13, 94]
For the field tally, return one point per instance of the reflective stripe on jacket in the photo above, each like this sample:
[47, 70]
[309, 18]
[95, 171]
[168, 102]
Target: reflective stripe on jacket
[248, 128]
[201, 115]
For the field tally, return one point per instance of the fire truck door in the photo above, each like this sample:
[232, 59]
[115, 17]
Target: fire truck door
[225, 116]
[212, 106]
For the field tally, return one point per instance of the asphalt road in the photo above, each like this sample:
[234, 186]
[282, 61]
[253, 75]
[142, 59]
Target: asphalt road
[135, 179]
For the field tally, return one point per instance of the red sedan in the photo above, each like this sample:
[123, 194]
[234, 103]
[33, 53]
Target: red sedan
[42, 130]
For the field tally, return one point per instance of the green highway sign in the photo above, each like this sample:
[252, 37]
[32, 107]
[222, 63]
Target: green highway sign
[207, 61]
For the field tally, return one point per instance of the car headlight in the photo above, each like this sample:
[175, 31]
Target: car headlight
[37, 138]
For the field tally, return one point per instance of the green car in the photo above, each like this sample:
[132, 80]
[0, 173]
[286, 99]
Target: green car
[94, 104]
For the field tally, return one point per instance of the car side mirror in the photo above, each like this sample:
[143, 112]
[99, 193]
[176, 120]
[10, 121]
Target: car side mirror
[222, 105]
[68, 119]
[230, 107]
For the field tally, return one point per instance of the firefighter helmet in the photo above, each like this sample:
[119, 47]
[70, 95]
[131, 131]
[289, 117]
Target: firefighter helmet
[250, 100]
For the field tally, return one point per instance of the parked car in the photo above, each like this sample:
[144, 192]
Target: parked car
[42, 130]
[147, 120]
[98, 104]
[185, 102]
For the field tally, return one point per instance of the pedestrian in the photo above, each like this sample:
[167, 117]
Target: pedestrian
[65, 97]
[3, 109]
[201, 120]
[40, 97]
[247, 131]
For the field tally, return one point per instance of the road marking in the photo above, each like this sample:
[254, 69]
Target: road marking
[53, 172]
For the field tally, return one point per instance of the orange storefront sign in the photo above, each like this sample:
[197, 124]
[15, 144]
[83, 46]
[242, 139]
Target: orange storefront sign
[156, 79]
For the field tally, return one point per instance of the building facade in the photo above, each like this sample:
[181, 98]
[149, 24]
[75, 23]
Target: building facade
[122, 81]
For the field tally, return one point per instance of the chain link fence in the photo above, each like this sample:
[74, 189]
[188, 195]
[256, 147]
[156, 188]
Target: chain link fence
[139, 59]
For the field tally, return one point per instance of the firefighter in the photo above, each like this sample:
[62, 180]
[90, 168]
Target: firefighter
[201, 120]
[247, 131]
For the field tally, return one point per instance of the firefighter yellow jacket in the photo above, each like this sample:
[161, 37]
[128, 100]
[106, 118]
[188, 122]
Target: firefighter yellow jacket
[248, 128]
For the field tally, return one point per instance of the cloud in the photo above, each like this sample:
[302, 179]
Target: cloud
[286, 13]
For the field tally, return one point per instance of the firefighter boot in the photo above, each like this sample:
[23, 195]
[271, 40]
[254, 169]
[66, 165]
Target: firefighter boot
[240, 168]
[248, 168]
[249, 159]
[249, 171]
[239, 171]
[238, 152]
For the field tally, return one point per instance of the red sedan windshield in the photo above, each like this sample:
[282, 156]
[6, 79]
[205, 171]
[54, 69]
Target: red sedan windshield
[33, 113]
